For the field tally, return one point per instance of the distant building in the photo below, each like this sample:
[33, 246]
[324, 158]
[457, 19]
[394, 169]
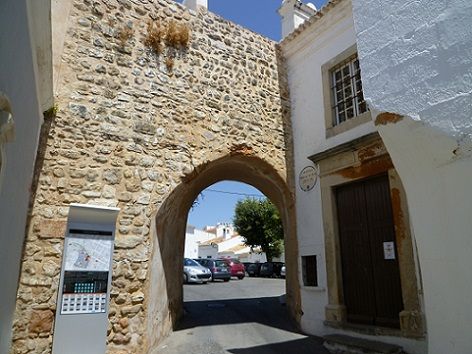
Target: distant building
[220, 241]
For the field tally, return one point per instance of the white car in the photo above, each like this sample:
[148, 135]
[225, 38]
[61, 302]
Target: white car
[195, 272]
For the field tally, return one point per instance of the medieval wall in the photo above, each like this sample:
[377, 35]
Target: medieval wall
[128, 131]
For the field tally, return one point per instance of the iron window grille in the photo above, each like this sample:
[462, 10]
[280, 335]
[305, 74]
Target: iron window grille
[346, 91]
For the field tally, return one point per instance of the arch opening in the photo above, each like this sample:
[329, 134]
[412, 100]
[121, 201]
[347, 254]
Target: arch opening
[166, 292]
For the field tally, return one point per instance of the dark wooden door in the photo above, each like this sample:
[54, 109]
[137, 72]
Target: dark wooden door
[371, 278]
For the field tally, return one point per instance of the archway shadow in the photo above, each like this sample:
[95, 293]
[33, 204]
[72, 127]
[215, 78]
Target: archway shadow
[259, 312]
[306, 345]
[264, 310]
[170, 224]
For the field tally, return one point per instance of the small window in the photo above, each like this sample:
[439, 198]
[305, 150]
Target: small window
[310, 272]
[347, 98]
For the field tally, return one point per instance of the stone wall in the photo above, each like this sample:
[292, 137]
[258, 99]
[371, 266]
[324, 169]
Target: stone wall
[128, 132]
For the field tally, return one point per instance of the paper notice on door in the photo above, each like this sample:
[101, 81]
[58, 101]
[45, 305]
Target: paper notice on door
[389, 250]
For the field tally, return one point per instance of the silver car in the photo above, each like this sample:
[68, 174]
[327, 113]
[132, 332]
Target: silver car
[282, 272]
[195, 272]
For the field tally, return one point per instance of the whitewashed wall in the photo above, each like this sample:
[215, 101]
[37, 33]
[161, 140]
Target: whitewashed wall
[317, 44]
[192, 240]
[230, 243]
[416, 60]
[305, 54]
[207, 251]
[21, 81]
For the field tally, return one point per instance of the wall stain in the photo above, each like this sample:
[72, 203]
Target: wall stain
[370, 151]
[398, 219]
[242, 149]
[367, 169]
[386, 118]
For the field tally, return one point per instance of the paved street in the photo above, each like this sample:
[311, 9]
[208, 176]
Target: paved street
[239, 317]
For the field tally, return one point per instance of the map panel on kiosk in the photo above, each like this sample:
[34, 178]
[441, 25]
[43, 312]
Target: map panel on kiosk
[89, 251]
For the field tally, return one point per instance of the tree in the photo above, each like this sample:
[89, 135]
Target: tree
[258, 221]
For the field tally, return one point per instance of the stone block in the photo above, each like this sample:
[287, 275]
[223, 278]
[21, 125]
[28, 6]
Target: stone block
[41, 321]
[127, 242]
[51, 228]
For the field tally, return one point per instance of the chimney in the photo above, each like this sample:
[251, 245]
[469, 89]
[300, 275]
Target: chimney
[195, 4]
[294, 13]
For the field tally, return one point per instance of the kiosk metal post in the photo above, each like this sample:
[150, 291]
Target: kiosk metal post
[84, 290]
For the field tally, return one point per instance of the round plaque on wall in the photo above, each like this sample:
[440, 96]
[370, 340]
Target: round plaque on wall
[307, 178]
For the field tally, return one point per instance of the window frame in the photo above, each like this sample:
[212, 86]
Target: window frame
[349, 82]
[326, 74]
[310, 260]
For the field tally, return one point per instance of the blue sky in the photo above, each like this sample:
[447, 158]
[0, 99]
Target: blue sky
[258, 15]
[214, 206]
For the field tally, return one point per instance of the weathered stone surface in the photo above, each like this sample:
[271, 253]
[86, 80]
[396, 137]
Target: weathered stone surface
[51, 228]
[41, 321]
[128, 133]
[131, 311]
[128, 241]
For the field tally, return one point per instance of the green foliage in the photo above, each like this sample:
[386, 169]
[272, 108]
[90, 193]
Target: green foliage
[51, 112]
[258, 221]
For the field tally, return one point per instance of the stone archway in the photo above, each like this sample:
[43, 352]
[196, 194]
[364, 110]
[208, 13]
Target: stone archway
[170, 227]
[129, 133]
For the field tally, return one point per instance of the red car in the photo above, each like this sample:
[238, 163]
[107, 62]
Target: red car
[237, 268]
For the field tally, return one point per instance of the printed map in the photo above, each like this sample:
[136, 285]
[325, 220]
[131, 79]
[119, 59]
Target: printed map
[88, 253]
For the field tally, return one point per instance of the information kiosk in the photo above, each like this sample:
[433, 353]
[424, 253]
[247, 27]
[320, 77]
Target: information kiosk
[84, 290]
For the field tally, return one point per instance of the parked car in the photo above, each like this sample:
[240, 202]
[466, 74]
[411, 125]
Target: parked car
[271, 269]
[282, 271]
[254, 269]
[218, 268]
[236, 267]
[246, 265]
[195, 272]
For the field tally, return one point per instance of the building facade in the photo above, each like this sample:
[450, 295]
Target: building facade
[416, 65]
[374, 142]
[359, 271]
[25, 93]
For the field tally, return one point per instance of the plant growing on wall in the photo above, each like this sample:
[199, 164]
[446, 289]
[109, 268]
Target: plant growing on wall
[154, 37]
[124, 35]
[167, 39]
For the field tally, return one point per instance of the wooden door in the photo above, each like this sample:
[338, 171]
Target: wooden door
[371, 278]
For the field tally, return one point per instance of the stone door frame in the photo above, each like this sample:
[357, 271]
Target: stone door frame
[363, 158]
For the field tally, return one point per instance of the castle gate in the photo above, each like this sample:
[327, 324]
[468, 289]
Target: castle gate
[146, 118]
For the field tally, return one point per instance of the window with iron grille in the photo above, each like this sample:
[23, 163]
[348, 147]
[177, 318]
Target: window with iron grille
[346, 88]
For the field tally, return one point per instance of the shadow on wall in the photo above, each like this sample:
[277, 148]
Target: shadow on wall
[171, 219]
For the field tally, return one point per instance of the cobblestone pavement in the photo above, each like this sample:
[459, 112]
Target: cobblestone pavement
[239, 317]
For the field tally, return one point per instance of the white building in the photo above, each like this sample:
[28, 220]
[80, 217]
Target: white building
[219, 241]
[359, 269]
[417, 65]
[25, 93]
[193, 237]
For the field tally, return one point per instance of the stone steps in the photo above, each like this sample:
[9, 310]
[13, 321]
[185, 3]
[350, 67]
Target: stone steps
[341, 344]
